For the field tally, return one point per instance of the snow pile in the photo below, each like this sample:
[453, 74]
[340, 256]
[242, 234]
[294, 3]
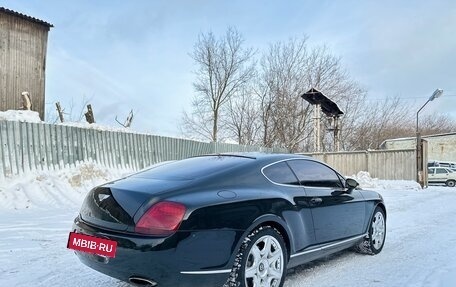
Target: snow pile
[34, 117]
[96, 126]
[63, 188]
[20, 116]
[366, 181]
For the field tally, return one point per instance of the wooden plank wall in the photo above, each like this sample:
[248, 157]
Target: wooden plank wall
[39, 146]
[23, 47]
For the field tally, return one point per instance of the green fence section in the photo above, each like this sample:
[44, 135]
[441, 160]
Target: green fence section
[40, 146]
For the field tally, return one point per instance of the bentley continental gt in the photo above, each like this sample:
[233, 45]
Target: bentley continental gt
[225, 220]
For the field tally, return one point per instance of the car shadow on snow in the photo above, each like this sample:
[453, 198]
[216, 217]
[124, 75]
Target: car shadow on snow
[301, 271]
[327, 262]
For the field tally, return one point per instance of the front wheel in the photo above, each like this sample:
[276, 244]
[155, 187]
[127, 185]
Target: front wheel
[374, 241]
[450, 183]
[261, 261]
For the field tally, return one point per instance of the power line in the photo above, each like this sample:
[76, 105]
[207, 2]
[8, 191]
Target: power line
[403, 98]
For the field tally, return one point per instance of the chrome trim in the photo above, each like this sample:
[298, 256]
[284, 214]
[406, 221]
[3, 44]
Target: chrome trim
[206, 272]
[330, 245]
[305, 252]
[298, 158]
[279, 161]
[142, 280]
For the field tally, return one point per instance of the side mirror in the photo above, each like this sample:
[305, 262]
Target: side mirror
[350, 183]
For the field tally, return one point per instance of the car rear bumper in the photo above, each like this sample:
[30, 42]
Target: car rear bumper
[197, 258]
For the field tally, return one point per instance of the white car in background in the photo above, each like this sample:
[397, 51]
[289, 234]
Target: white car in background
[441, 175]
[448, 164]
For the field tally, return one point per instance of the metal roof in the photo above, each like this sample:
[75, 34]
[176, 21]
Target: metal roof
[423, 137]
[382, 145]
[26, 17]
[330, 108]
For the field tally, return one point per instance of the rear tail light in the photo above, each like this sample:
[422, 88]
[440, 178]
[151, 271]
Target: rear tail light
[161, 219]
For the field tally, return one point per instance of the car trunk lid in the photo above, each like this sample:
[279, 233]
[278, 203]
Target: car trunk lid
[114, 205]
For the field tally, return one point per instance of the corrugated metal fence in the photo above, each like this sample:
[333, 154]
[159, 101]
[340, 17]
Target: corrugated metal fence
[31, 146]
[383, 164]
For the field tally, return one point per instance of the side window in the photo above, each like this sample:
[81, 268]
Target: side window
[430, 171]
[441, 170]
[311, 173]
[280, 173]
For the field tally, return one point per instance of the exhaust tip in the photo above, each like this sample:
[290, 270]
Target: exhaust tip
[140, 281]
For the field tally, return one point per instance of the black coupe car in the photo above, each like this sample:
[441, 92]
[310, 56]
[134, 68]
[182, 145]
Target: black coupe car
[233, 219]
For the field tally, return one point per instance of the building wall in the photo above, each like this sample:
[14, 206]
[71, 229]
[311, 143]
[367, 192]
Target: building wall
[23, 46]
[400, 144]
[439, 147]
[443, 148]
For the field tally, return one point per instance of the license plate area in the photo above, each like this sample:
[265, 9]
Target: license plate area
[92, 244]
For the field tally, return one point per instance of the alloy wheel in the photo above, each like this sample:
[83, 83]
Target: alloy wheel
[264, 266]
[378, 230]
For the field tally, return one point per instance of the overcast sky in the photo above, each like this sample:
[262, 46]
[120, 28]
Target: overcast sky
[126, 55]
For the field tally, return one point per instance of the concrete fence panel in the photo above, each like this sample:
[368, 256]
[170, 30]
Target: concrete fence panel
[383, 164]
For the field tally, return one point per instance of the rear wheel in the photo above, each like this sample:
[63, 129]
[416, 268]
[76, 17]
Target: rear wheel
[261, 261]
[450, 183]
[375, 240]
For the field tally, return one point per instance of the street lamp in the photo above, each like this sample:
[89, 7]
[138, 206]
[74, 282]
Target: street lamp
[419, 160]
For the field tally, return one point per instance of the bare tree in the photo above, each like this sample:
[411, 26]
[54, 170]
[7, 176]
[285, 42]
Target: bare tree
[128, 121]
[72, 113]
[287, 71]
[266, 108]
[243, 118]
[59, 111]
[390, 118]
[224, 67]
[437, 124]
[197, 124]
[377, 121]
[284, 114]
[90, 118]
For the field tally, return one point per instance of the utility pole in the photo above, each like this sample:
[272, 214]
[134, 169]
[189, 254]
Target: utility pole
[317, 128]
[419, 143]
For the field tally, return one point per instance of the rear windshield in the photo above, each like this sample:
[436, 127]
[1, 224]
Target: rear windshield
[192, 168]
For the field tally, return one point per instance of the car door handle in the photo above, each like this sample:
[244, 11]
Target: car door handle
[316, 201]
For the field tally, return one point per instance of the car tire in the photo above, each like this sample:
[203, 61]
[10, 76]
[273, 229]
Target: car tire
[261, 261]
[450, 183]
[374, 241]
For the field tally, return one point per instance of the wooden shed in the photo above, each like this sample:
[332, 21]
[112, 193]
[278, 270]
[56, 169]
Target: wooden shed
[23, 43]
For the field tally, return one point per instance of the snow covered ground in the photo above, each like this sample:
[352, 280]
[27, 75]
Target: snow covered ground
[36, 213]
